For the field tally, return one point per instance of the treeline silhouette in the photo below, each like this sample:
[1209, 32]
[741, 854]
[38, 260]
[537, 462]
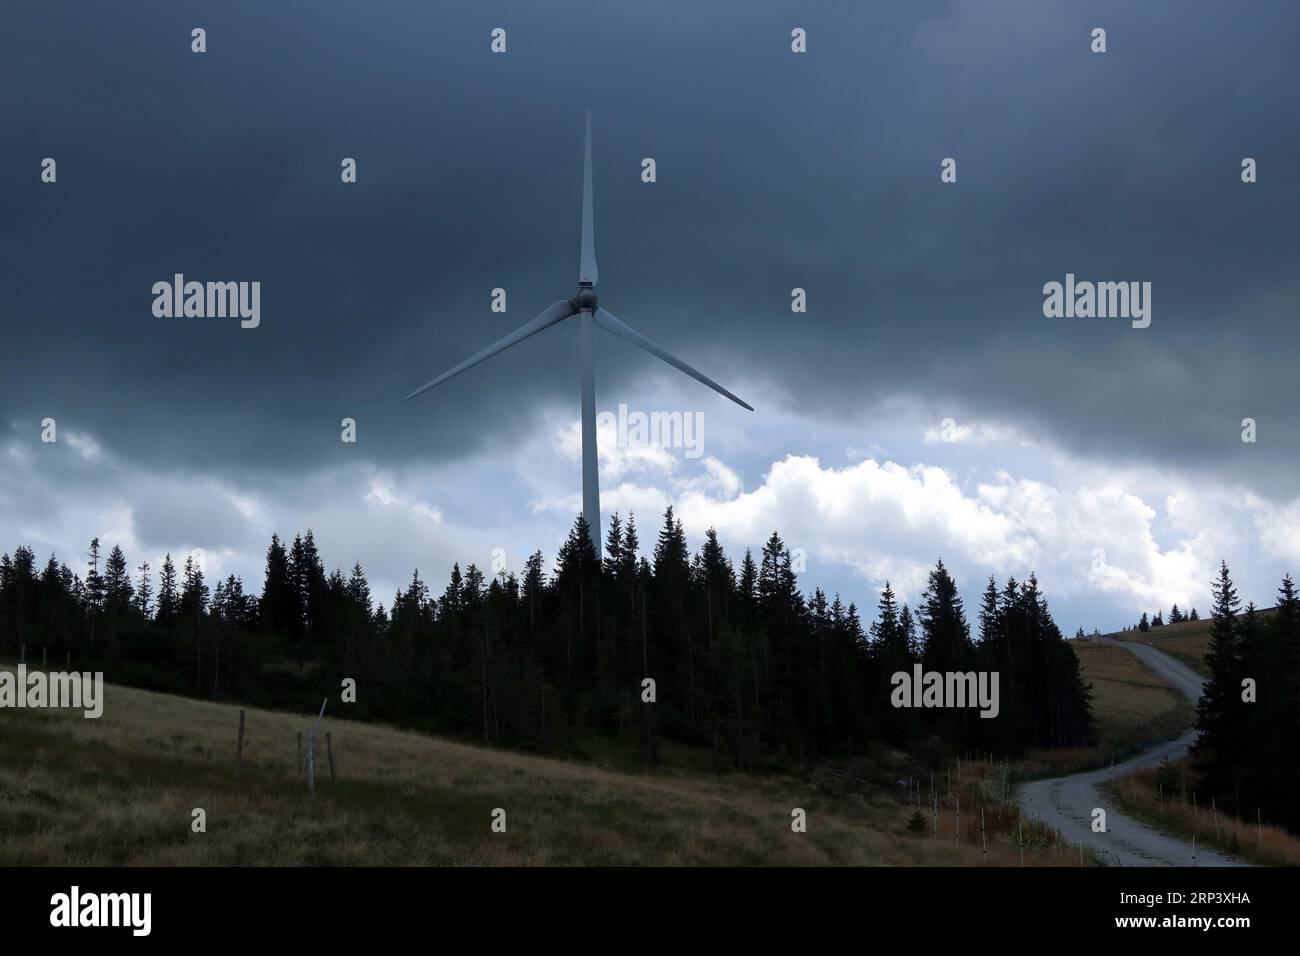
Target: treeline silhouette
[1246, 749]
[742, 661]
[1157, 620]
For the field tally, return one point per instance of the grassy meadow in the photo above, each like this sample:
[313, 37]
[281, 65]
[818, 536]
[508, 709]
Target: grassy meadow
[121, 790]
[1132, 706]
[1187, 640]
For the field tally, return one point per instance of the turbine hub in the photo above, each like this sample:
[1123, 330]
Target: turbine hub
[585, 300]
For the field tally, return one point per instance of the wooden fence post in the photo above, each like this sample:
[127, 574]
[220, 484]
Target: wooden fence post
[984, 839]
[311, 741]
[329, 750]
[239, 746]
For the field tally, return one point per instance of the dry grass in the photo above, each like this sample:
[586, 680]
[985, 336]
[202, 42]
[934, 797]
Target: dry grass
[979, 808]
[1143, 796]
[1186, 641]
[120, 790]
[1132, 706]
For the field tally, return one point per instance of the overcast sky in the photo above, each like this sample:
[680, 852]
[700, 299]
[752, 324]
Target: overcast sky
[1107, 458]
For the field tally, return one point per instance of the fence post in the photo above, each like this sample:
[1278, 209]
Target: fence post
[329, 750]
[311, 741]
[300, 754]
[239, 746]
[984, 839]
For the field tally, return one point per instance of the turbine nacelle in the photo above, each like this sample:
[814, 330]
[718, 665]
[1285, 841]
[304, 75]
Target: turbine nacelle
[585, 300]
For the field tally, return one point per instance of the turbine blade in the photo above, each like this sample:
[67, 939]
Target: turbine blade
[556, 313]
[587, 271]
[611, 324]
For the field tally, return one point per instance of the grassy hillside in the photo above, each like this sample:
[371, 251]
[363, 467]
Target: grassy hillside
[1131, 704]
[1187, 640]
[1132, 708]
[120, 790]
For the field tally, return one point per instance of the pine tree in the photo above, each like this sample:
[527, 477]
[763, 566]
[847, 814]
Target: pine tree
[359, 590]
[95, 589]
[614, 549]
[193, 605]
[278, 605]
[946, 635]
[168, 595]
[534, 586]
[144, 591]
[118, 591]
[1220, 714]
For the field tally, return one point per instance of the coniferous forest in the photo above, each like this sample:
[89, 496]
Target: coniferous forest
[1246, 749]
[743, 663]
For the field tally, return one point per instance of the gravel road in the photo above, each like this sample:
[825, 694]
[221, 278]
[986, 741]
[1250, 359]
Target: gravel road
[1067, 802]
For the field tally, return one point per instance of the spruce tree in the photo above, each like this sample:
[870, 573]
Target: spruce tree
[168, 594]
[1220, 715]
[144, 591]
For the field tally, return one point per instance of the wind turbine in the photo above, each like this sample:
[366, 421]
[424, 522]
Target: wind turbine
[589, 313]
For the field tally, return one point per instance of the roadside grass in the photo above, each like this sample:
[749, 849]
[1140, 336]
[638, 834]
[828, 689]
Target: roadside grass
[1163, 797]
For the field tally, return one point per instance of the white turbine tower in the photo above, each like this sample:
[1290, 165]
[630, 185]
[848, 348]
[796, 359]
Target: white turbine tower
[590, 314]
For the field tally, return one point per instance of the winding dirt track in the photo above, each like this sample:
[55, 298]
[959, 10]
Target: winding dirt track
[1067, 802]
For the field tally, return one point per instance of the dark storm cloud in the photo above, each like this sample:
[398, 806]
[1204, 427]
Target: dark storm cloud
[775, 171]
